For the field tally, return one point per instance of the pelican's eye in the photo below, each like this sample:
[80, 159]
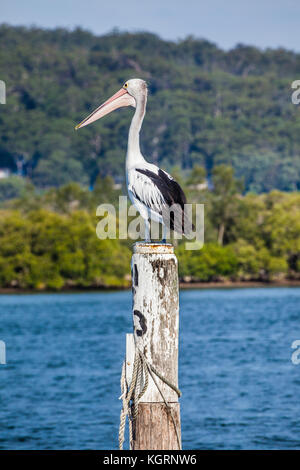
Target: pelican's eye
[125, 85]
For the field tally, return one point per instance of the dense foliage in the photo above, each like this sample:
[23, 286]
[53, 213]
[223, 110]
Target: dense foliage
[48, 240]
[206, 106]
[48, 250]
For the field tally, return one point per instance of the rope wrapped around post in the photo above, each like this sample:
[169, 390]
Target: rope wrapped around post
[139, 384]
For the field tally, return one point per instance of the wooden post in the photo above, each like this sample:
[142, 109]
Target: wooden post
[156, 324]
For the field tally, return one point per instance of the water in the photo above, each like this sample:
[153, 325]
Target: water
[60, 387]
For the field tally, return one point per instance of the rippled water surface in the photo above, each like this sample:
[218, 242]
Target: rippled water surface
[60, 386]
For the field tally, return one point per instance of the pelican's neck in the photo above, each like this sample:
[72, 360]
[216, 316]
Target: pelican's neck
[133, 149]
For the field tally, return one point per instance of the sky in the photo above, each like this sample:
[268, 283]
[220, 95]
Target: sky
[263, 23]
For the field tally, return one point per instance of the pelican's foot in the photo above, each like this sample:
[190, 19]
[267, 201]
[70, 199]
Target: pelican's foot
[157, 242]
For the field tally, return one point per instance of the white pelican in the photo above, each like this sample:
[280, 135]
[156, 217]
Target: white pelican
[153, 191]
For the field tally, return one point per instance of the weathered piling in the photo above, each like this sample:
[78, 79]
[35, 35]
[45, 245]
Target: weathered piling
[156, 325]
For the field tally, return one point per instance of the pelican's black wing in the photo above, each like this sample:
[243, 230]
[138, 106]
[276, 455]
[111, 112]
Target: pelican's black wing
[171, 196]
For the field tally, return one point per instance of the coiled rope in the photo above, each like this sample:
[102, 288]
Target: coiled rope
[139, 384]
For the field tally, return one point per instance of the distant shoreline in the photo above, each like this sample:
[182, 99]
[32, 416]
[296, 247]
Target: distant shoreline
[230, 284]
[182, 285]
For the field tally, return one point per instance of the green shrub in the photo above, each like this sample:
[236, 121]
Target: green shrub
[208, 264]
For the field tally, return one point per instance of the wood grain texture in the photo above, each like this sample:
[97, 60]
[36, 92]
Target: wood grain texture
[156, 314]
[154, 428]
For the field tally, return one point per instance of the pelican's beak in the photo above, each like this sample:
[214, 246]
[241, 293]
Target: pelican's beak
[118, 100]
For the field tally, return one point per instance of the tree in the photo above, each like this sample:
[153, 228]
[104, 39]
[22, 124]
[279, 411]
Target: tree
[224, 199]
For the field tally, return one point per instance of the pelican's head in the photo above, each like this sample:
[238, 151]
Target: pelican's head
[131, 92]
[136, 88]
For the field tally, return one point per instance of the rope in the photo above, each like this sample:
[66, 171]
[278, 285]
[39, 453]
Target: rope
[134, 394]
[169, 408]
[141, 370]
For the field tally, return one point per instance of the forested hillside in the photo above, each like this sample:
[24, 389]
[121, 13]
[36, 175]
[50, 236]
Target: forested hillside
[206, 107]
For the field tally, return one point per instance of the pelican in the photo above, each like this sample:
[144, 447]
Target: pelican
[154, 192]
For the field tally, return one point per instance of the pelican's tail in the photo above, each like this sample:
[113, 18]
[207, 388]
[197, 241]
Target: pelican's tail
[178, 220]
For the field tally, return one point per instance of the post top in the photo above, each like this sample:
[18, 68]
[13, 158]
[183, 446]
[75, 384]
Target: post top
[153, 248]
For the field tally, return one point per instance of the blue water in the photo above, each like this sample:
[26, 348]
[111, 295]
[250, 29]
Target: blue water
[60, 386]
